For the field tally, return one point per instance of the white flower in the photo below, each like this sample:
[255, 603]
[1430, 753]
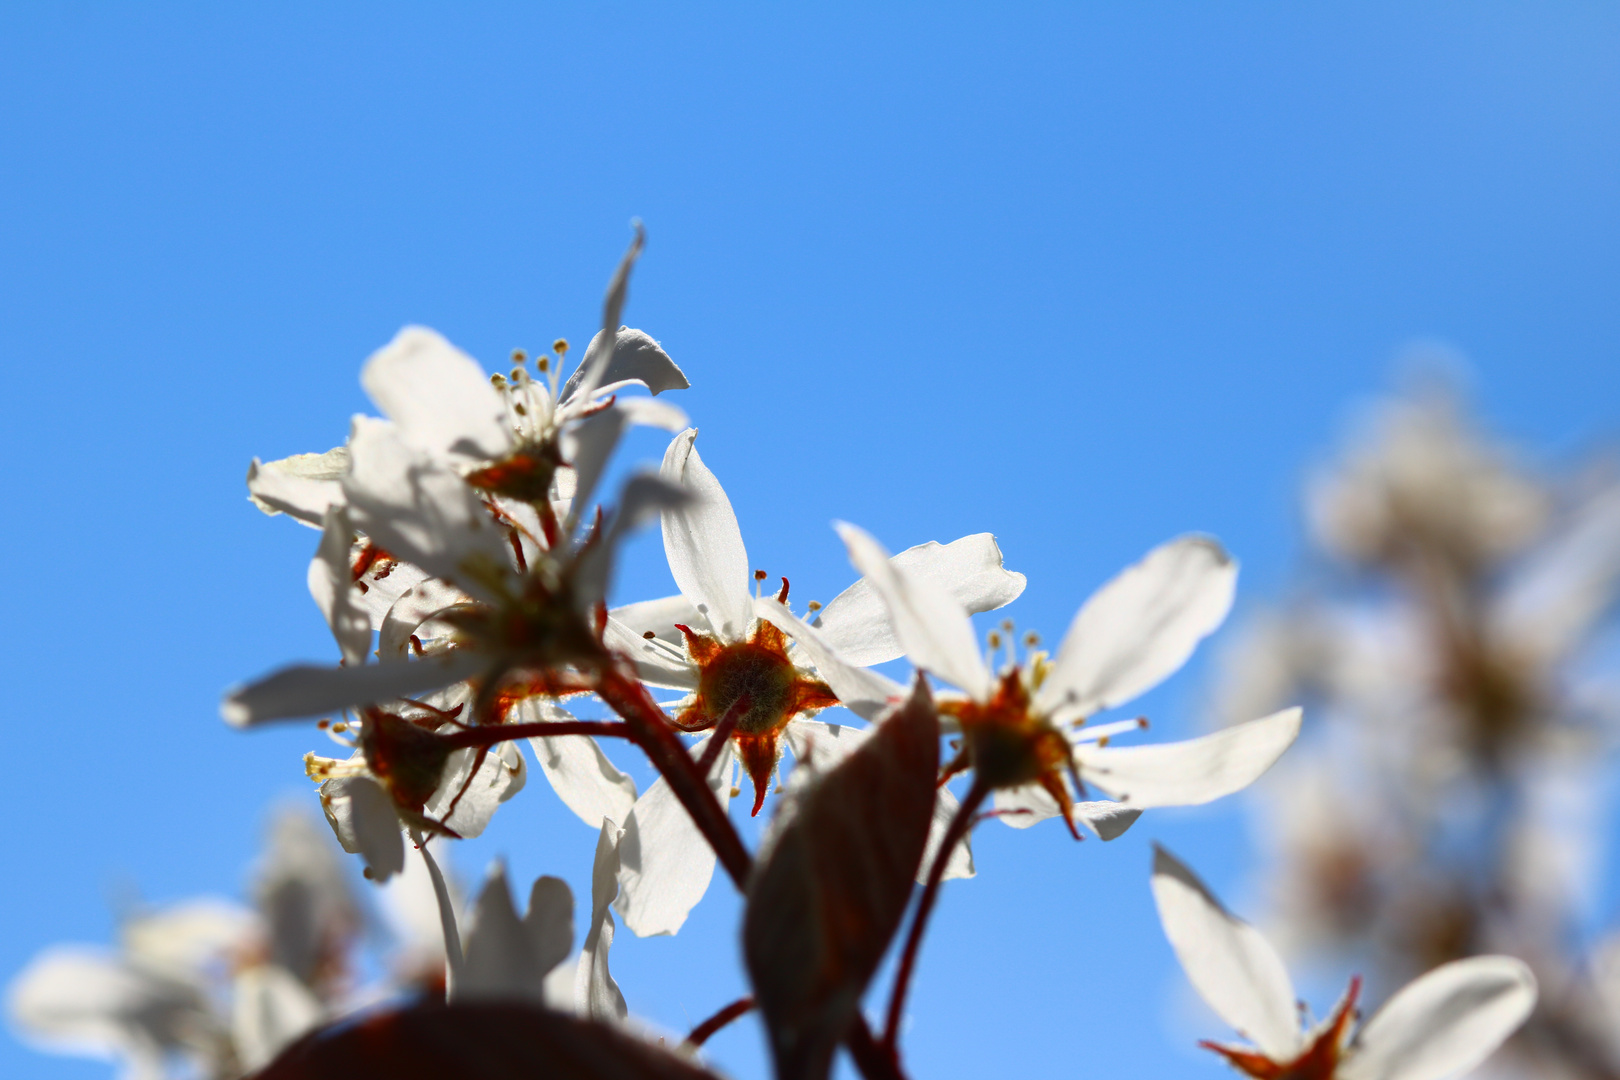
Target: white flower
[1024, 732]
[1438, 1026]
[729, 650]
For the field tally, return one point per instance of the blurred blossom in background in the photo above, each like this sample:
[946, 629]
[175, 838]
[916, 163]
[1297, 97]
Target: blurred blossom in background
[1087, 278]
[1451, 636]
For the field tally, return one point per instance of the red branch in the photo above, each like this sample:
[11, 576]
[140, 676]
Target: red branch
[701, 1033]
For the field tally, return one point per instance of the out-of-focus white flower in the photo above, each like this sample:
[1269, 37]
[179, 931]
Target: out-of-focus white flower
[508, 957]
[1423, 479]
[1024, 730]
[1439, 1026]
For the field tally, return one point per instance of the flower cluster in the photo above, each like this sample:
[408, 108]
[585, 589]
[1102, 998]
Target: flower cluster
[464, 567]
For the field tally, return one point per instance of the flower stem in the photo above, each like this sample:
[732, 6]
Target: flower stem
[958, 828]
[701, 1033]
[650, 730]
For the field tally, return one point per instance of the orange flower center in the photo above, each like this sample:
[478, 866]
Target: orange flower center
[755, 689]
[1009, 746]
[1319, 1061]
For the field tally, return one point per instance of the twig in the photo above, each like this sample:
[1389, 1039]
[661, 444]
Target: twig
[701, 1033]
[958, 828]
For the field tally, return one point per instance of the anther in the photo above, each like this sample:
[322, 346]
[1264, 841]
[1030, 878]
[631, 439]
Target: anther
[995, 640]
[1007, 625]
[519, 356]
[519, 375]
[340, 727]
[324, 724]
[760, 575]
[1031, 640]
[814, 606]
[736, 791]
[649, 634]
[498, 380]
[544, 364]
[560, 346]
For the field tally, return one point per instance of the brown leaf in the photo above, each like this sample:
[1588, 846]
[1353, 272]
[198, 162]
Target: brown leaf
[829, 891]
[476, 1042]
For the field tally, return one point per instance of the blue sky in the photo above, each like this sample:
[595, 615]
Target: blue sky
[1086, 276]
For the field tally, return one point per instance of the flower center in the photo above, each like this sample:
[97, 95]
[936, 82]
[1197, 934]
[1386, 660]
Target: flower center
[754, 688]
[1008, 745]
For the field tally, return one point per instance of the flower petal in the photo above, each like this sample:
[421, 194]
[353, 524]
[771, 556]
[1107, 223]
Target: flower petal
[665, 864]
[419, 508]
[269, 1009]
[301, 486]
[1233, 968]
[704, 544]
[596, 994]
[1191, 772]
[658, 662]
[301, 690]
[438, 396]
[580, 773]
[87, 1001]
[332, 585]
[506, 957]
[636, 357]
[363, 820]
[860, 690]
[856, 622]
[597, 357]
[929, 623]
[1444, 1023]
[1138, 629]
[501, 774]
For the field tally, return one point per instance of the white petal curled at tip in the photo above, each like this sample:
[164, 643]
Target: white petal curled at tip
[596, 994]
[580, 773]
[636, 357]
[641, 498]
[1139, 628]
[1031, 804]
[861, 690]
[929, 623]
[1233, 968]
[302, 486]
[703, 543]
[1444, 1023]
[269, 1009]
[665, 864]
[365, 823]
[1191, 772]
[856, 622]
[304, 690]
[331, 584]
[439, 397]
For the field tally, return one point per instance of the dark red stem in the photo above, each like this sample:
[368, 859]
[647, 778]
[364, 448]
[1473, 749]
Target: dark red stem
[958, 828]
[701, 1033]
[722, 732]
[650, 729]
